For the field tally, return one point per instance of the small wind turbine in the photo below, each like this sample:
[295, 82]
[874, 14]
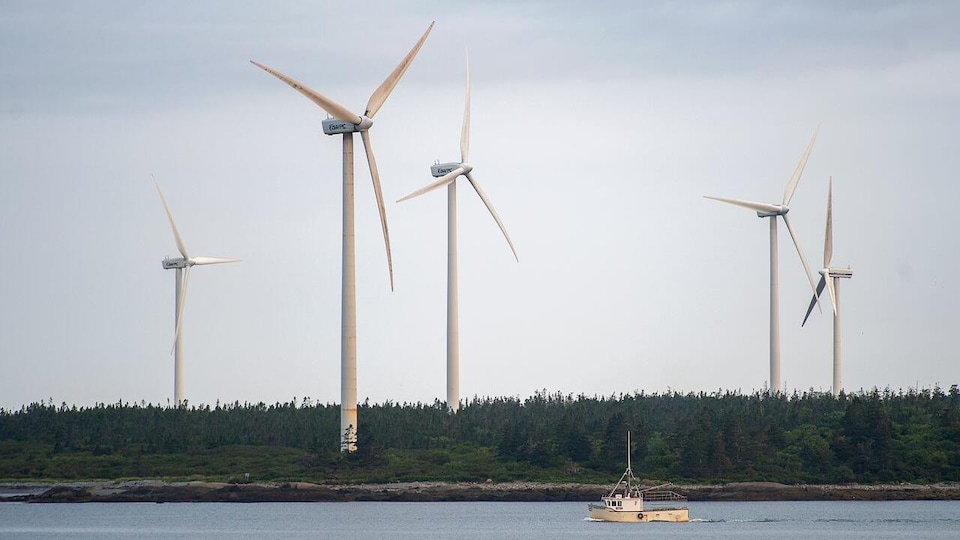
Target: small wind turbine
[830, 278]
[182, 265]
[447, 174]
[773, 211]
[347, 123]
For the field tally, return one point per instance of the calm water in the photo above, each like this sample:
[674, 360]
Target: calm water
[780, 520]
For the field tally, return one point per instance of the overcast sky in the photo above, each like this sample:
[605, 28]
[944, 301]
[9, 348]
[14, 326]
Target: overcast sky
[597, 129]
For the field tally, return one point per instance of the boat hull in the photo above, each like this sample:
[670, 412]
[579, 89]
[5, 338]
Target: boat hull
[603, 513]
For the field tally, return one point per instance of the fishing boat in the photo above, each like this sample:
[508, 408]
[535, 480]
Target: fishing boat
[628, 502]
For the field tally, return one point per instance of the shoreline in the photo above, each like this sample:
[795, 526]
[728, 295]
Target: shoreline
[162, 492]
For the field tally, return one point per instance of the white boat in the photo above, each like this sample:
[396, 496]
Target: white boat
[628, 502]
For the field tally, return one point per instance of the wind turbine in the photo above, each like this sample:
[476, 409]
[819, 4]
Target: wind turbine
[447, 174]
[830, 278]
[773, 211]
[346, 123]
[182, 265]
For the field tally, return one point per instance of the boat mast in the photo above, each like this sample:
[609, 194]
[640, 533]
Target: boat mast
[626, 479]
[631, 481]
[628, 454]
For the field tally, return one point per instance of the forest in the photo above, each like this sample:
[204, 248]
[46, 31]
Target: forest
[877, 436]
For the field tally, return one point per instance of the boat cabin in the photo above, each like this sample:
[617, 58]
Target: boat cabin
[619, 502]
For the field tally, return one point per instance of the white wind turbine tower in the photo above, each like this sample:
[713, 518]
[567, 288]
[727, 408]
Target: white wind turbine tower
[182, 265]
[346, 123]
[830, 278]
[773, 211]
[447, 174]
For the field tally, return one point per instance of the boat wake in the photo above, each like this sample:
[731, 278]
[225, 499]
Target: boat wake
[758, 520]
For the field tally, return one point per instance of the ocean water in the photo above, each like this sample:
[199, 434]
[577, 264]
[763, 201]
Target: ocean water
[476, 520]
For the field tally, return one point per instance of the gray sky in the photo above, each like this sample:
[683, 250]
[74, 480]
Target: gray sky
[597, 128]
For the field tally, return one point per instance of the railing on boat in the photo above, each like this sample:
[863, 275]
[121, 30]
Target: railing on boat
[663, 498]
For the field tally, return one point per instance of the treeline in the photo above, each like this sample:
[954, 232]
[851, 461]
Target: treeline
[876, 436]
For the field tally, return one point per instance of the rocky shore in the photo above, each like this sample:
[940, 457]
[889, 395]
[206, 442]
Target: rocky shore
[162, 492]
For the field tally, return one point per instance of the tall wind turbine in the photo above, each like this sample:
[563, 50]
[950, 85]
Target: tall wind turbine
[447, 174]
[830, 278]
[773, 211]
[182, 265]
[346, 123]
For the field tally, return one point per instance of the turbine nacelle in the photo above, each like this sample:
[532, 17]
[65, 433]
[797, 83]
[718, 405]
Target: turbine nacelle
[840, 272]
[170, 264]
[441, 169]
[181, 262]
[781, 211]
[334, 126]
[836, 272]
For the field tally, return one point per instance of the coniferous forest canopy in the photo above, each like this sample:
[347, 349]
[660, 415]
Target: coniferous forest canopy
[868, 437]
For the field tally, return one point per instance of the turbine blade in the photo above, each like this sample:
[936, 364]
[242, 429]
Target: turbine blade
[332, 107]
[803, 260]
[383, 91]
[813, 301]
[795, 179]
[176, 233]
[833, 294]
[213, 260]
[486, 201]
[465, 130]
[181, 301]
[758, 206]
[375, 175]
[442, 181]
[828, 237]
